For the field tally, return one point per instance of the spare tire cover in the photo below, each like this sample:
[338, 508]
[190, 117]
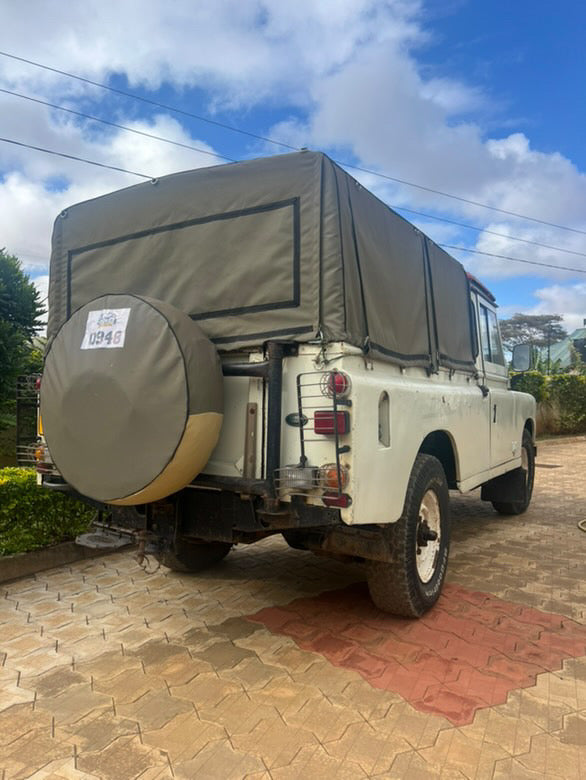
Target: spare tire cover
[131, 399]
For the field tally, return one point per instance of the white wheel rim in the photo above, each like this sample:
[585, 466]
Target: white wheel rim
[426, 555]
[525, 460]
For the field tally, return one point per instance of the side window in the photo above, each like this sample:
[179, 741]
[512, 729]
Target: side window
[496, 349]
[492, 350]
[484, 338]
[474, 325]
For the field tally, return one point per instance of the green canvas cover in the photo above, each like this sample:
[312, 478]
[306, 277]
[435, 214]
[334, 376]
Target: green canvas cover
[288, 247]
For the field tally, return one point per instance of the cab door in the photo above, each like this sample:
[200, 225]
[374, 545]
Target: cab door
[503, 434]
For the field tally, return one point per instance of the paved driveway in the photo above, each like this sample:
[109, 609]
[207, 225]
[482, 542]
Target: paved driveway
[274, 664]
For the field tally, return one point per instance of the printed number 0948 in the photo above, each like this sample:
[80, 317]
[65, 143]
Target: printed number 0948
[105, 337]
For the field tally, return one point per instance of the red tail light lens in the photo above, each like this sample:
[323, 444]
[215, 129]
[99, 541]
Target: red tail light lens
[336, 383]
[327, 423]
[38, 384]
[342, 500]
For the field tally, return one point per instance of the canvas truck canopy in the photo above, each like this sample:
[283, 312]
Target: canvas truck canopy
[287, 247]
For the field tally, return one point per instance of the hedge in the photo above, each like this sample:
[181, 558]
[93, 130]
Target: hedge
[531, 382]
[32, 517]
[567, 392]
[561, 400]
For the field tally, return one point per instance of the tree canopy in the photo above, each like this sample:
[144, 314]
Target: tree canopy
[537, 329]
[21, 313]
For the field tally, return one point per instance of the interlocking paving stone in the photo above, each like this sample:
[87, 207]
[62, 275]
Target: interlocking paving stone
[574, 730]
[32, 752]
[130, 685]
[238, 713]
[108, 672]
[205, 691]
[252, 674]
[274, 742]
[124, 757]
[73, 704]
[97, 730]
[316, 762]
[184, 736]
[286, 695]
[459, 750]
[154, 709]
[372, 750]
[53, 682]
[219, 759]
[443, 663]
[416, 728]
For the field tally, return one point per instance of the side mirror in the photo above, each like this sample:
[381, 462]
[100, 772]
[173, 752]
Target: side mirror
[521, 357]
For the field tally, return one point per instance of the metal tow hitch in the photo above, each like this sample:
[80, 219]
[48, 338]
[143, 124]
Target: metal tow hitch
[142, 557]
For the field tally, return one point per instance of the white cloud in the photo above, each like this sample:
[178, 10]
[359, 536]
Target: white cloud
[242, 51]
[568, 300]
[30, 200]
[346, 69]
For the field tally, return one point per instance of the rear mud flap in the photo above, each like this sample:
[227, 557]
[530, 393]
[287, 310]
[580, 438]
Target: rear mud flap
[507, 487]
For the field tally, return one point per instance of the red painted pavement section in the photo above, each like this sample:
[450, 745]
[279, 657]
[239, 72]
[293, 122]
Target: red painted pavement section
[469, 652]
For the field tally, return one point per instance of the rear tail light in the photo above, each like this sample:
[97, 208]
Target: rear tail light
[40, 459]
[327, 423]
[333, 477]
[38, 384]
[341, 500]
[336, 384]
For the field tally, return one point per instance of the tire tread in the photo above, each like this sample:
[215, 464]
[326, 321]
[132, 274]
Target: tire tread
[391, 587]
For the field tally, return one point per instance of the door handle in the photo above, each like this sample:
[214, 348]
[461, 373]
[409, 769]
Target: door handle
[494, 414]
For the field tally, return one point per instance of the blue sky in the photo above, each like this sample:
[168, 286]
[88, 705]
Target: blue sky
[485, 101]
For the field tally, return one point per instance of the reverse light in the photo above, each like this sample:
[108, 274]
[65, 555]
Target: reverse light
[293, 478]
[327, 422]
[332, 477]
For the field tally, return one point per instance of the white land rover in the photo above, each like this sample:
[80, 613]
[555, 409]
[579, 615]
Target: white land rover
[266, 347]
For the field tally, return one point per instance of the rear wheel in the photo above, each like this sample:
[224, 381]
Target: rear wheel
[296, 539]
[528, 468]
[411, 582]
[193, 556]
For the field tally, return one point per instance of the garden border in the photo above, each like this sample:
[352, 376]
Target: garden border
[14, 567]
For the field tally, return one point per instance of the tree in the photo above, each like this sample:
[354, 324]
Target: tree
[538, 329]
[20, 319]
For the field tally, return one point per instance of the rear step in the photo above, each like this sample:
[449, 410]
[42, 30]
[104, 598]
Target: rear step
[104, 540]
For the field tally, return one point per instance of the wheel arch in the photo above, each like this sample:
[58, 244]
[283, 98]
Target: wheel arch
[441, 445]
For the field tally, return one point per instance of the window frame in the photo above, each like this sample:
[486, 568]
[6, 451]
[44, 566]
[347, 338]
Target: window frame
[488, 324]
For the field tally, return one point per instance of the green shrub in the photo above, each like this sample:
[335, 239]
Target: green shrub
[32, 517]
[532, 382]
[567, 392]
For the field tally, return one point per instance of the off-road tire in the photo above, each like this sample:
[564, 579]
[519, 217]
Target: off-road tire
[396, 586]
[518, 507]
[192, 556]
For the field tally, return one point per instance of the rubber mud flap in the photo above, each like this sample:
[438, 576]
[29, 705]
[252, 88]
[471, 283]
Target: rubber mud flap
[131, 399]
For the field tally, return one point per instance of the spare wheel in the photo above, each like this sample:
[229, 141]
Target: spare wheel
[131, 399]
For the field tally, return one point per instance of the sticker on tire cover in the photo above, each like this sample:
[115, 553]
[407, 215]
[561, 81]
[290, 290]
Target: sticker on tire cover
[105, 329]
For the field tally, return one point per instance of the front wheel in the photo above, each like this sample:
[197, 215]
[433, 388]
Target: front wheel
[411, 582]
[192, 556]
